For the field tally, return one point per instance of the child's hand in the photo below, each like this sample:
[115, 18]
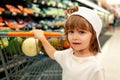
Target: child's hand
[39, 34]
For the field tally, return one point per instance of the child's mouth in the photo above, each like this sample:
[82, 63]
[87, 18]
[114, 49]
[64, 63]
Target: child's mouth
[75, 43]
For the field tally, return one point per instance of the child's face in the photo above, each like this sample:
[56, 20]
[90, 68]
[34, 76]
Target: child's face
[79, 39]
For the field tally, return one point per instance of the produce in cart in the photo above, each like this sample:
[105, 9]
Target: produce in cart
[31, 47]
[14, 45]
[56, 42]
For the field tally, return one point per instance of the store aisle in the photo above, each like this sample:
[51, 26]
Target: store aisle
[110, 57]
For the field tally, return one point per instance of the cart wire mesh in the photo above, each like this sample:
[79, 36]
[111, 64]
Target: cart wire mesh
[16, 66]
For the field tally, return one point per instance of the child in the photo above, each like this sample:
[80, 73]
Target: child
[82, 29]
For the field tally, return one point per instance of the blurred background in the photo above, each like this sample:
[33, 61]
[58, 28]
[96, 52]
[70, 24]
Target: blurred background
[49, 15]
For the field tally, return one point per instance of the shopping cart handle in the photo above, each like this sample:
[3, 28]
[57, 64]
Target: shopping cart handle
[27, 34]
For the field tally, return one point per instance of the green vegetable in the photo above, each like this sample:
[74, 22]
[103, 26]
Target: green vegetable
[14, 46]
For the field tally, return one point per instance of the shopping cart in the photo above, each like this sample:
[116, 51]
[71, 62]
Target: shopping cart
[17, 66]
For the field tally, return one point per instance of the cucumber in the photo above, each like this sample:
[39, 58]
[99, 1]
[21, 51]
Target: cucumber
[14, 46]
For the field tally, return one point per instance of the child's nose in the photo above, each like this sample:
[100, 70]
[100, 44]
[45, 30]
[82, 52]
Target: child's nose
[75, 36]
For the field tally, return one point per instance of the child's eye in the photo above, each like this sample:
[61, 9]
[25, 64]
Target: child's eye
[71, 31]
[81, 32]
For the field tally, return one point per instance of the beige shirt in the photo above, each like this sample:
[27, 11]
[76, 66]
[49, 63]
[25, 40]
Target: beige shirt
[77, 68]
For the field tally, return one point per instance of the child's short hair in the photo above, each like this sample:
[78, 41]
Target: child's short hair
[78, 20]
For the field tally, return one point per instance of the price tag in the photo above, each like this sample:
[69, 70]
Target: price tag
[36, 15]
[43, 2]
[14, 13]
[25, 14]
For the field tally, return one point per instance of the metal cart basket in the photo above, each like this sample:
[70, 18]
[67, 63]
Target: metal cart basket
[17, 66]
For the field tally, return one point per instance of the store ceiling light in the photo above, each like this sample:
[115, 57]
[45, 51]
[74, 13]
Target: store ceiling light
[93, 5]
